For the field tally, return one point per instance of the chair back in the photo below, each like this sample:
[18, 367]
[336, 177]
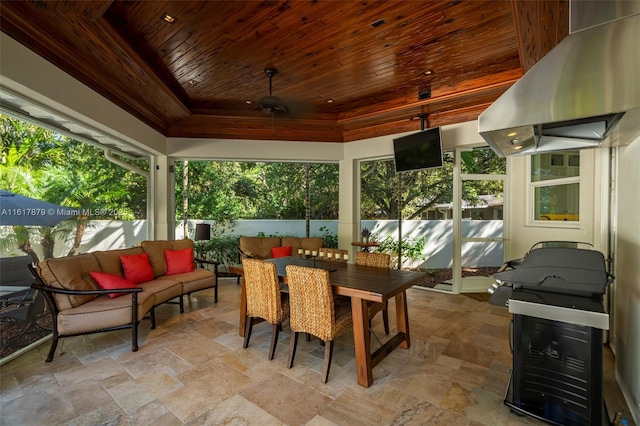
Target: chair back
[311, 301]
[379, 260]
[333, 251]
[15, 271]
[263, 290]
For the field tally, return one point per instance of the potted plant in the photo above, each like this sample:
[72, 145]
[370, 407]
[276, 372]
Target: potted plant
[366, 233]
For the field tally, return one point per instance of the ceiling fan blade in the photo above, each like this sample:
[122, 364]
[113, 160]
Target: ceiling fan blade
[271, 104]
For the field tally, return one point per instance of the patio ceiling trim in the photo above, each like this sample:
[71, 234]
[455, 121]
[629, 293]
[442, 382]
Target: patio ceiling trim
[28, 111]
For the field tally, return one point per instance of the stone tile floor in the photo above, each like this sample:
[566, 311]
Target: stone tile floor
[192, 370]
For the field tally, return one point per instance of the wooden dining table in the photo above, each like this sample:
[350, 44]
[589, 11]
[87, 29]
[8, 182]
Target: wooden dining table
[362, 284]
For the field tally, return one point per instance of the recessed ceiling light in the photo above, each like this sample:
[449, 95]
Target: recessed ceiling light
[329, 101]
[168, 18]
[428, 72]
[192, 83]
[248, 102]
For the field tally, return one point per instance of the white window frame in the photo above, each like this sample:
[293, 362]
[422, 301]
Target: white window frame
[532, 186]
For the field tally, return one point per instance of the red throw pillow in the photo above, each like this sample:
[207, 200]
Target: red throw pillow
[110, 281]
[280, 251]
[179, 261]
[137, 268]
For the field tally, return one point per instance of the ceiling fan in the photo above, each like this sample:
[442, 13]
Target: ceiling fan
[271, 104]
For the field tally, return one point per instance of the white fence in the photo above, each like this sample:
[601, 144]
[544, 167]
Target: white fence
[106, 235]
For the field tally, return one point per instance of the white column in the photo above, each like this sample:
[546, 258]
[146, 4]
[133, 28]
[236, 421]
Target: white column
[349, 196]
[162, 192]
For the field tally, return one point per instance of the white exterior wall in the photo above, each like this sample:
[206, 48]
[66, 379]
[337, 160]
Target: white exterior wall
[249, 150]
[524, 234]
[626, 328]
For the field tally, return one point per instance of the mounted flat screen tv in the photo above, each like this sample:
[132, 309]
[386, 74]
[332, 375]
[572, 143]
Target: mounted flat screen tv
[418, 151]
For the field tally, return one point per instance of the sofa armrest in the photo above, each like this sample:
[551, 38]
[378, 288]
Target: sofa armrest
[99, 292]
[202, 262]
[48, 293]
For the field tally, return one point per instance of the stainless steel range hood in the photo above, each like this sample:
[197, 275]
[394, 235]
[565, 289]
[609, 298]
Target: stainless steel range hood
[584, 93]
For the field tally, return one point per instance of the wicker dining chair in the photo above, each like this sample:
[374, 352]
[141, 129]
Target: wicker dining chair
[313, 311]
[264, 299]
[378, 260]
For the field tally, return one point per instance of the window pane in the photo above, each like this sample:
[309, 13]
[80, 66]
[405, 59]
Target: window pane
[423, 191]
[483, 162]
[482, 208]
[558, 202]
[225, 191]
[555, 165]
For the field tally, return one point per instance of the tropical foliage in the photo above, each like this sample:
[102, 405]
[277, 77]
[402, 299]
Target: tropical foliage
[227, 191]
[419, 189]
[43, 164]
[411, 249]
[423, 189]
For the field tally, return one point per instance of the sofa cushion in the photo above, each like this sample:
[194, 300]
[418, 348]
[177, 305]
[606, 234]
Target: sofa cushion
[198, 279]
[108, 281]
[261, 247]
[163, 288]
[155, 250]
[109, 260]
[311, 243]
[137, 268]
[179, 261]
[280, 252]
[71, 273]
[102, 312]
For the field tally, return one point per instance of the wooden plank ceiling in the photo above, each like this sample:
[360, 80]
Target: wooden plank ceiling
[347, 70]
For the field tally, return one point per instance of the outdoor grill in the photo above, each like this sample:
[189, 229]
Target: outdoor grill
[555, 294]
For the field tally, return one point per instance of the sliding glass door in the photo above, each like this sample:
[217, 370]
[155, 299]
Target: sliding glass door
[450, 220]
[479, 234]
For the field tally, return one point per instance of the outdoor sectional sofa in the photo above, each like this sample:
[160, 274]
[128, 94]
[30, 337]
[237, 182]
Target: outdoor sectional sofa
[266, 247]
[116, 289]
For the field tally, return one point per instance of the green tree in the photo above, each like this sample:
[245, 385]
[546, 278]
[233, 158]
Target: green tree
[225, 191]
[43, 164]
[212, 191]
[282, 190]
[420, 189]
[23, 151]
[482, 161]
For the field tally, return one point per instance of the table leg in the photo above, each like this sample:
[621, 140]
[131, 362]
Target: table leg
[243, 308]
[362, 341]
[402, 318]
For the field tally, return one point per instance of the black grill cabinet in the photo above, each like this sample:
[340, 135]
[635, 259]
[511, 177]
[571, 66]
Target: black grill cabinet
[556, 297]
[557, 358]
